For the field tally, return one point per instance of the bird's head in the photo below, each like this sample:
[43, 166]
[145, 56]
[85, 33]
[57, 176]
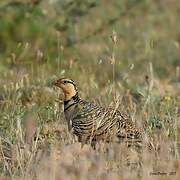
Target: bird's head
[68, 87]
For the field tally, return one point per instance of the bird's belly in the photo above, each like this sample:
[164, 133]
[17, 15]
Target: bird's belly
[68, 117]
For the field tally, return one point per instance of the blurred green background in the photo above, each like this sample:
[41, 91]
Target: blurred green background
[73, 37]
[41, 40]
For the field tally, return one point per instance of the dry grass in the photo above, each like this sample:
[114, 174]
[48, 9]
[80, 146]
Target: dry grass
[128, 60]
[48, 151]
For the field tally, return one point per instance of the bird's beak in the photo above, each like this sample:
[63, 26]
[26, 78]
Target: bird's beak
[55, 83]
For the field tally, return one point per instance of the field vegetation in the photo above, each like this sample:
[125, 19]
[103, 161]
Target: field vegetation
[124, 54]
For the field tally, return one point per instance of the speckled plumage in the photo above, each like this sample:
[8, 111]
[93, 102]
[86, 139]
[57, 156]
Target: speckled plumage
[89, 121]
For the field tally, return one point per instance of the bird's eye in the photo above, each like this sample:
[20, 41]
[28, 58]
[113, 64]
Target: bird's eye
[65, 82]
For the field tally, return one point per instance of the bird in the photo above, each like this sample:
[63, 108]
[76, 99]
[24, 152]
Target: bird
[91, 122]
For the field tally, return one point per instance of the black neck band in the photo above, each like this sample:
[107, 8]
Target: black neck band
[74, 98]
[70, 106]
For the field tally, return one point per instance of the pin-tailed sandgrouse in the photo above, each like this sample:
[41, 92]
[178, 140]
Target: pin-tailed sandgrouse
[89, 121]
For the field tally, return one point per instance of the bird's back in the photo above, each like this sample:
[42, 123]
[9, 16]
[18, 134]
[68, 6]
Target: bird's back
[92, 121]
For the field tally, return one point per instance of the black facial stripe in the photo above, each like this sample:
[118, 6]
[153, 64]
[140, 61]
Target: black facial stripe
[71, 82]
[68, 81]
